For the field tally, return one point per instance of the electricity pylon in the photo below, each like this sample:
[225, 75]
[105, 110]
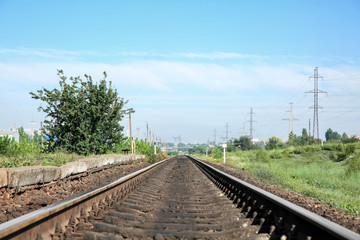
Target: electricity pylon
[316, 107]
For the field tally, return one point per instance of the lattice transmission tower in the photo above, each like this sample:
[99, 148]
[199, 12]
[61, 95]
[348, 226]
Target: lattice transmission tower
[251, 122]
[226, 132]
[316, 107]
[291, 121]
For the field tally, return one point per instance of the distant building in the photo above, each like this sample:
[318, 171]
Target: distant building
[257, 141]
[12, 134]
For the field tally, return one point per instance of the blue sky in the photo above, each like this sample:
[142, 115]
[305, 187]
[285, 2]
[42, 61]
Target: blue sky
[189, 67]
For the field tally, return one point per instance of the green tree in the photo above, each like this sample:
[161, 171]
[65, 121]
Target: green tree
[331, 135]
[328, 134]
[82, 116]
[230, 146]
[304, 139]
[244, 142]
[344, 136]
[273, 143]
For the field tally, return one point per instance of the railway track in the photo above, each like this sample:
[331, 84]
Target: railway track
[178, 198]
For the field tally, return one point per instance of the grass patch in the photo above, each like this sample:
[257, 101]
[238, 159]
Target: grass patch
[43, 159]
[310, 170]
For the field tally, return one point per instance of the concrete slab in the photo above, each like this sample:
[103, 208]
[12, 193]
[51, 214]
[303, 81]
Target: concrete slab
[92, 162]
[23, 176]
[72, 168]
[120, 158]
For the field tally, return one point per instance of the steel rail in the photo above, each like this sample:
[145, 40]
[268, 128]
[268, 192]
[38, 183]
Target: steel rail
[32, 224]
[312, 224]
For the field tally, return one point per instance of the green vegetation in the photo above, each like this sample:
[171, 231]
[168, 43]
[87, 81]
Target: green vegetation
[29, 152]
[83, 116]
[329, 173]
[82, 119]
[141, 147]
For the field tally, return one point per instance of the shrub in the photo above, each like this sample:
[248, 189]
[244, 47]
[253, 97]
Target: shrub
[353, 165]
[275, 155]
[299, 150]
[217, 153]
[5, 145]
[288, 152]
[261, 155]
[312, 148]
[350, 149]
[334, 147]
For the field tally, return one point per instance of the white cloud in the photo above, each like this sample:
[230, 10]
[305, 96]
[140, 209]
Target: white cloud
[166, 91]
[48, 53]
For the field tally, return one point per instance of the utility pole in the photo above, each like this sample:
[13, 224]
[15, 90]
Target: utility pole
[147, 132]
[291, 120]
[316, 92]
[309, 128]
[129, 111]
[131, 139]
[251, 122]
[215, 137]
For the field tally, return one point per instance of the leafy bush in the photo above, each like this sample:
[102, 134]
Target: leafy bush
[312, 148]
[261, 155]
[299, 150]
[350, 148]
[353, 165]
[6, 144]
[275, 155]
[334, 147]
[217, 153]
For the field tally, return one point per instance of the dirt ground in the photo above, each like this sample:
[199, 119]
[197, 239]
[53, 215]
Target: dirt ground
[13, 204]
[333, 214]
